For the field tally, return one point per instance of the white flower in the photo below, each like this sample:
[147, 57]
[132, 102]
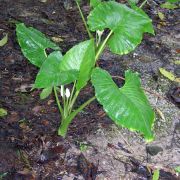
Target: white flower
[134, 55]
[62, 91]
[67, 93]
[100, 33]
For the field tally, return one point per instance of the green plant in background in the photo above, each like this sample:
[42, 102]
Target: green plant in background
[83, 147]
[3, 175]
[177, 169]
[3, 112]
[124, 26]
[156, 174]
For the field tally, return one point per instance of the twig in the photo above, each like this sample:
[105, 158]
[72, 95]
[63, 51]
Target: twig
[126, 142]
[119, 77]
[157, 95]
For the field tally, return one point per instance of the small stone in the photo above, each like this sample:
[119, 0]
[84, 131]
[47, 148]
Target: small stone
[177, 71]
[43, 1]
[153, 150]
[47, 156]
[37, 109]
[177, 127]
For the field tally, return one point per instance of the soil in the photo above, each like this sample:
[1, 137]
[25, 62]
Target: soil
[94, 148]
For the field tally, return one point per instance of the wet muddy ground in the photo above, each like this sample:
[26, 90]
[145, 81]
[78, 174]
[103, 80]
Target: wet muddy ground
[94, 148]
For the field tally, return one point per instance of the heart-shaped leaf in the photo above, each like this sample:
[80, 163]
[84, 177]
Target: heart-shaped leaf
[80, 58]
[58, 70]
[73, 58]
[33, 44]
[50, 74]
[127, 106]
[127, 25]
[87, 64]
[94, 3]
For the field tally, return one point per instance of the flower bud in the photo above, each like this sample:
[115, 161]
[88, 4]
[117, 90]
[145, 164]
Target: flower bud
[67, 93]
[62, 91]
[100, 33]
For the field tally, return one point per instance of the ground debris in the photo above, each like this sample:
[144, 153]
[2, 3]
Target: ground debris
[174, 95]
[153, 150]
[87, 169]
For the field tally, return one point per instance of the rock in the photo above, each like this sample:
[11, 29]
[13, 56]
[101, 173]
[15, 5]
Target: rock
[36, 110]
[177, 71]
[153, 150]
[47, 156]
[174, 94]
[177, 127]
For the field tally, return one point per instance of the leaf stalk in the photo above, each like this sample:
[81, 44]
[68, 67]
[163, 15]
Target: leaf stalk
[62, 131]
[58, 103]
[84, 21]
[102, 46]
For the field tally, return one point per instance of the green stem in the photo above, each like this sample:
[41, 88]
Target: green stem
[64, 100]
[101, 48]
[84, 21]
[58, 103]
[65, 107]
[72, 92]
[73, 101]
[143, 3]
[62, 131]
[71, 96]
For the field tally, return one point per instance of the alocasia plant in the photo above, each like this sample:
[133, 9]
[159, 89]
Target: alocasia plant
[126, 106]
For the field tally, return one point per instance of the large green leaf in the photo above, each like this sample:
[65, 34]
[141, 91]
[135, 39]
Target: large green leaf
[73, 58]
[127, 25]
[33, 44]
[133, 1]
[50, 74]
[58, 70]
[94, 3]
[173, 1]
[127, 106]
[87, 64]
[80, 58]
